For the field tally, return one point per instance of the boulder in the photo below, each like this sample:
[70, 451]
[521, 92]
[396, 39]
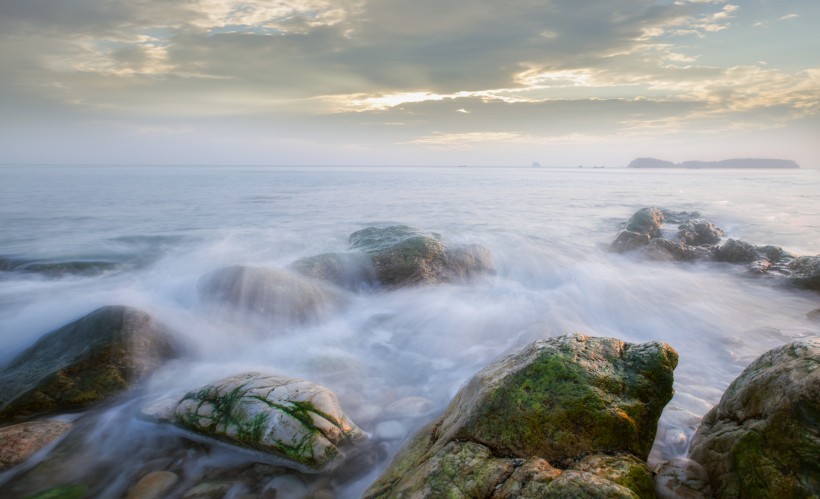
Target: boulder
[275, 296]
[646, 221]
[403, 256]
[763, 437]
[734, 251]
[290, 418]
[21, 441]
[586, 406]
[352, 270]
[699, 231]
[628, 241]
[805, 272]
[95, 357]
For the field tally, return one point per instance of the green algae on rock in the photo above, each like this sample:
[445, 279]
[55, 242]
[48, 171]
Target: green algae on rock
[558, 400]
[763, 437]
[291, 418]
[97, 356]
[404, 256]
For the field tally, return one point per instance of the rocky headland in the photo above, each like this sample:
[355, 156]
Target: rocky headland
[758, 163]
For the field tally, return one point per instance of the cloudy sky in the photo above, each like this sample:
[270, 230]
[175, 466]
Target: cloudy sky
[478, 82]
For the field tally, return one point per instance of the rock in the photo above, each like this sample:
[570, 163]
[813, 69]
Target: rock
[628, 241]
[734, 251]
[698, 232]
[404, 256]
[646, 221]
[805, 272]
[644, 225]
[208, 490]
[95, 357]
[291, 418]
[276, 296]
[679, 217]
[21, 441]
[154, 485]
[763, 437]
[665, 250]
[681, 478]
[531, 479]
[352, 270]
[814, 315]
[557, 400]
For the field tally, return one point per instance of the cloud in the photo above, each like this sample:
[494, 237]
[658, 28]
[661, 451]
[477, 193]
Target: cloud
[789, 16]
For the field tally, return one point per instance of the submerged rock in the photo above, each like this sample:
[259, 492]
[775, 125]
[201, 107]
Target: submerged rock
[21, 441]
[277, 296]
[154, 485]
[403, 256]
[352, 270]
[97, 356]
[555, 402]
[763, 438]
[291, 418]
[681, 478]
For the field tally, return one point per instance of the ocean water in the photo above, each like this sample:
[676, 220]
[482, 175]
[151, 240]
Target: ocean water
[394, 358]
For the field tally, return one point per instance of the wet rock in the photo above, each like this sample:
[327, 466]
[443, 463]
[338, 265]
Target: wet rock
[814, 315]
[805, 272]
[352, 270]
[291, 418]
[21, 441]
[97, 356]
[646, 221]
[208, 490]
[531, 479]
[154, 485]
[557, 400]
[681, 478]
[763, 437]
[403, 256]
[698, 232]
[628, 241]
[665, 250]
[679, 217]
[276, 296]
[734, 251]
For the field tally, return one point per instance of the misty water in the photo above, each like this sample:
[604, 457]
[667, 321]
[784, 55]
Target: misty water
[394, 358]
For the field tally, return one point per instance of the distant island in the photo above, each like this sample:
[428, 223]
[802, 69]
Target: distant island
[726, 163]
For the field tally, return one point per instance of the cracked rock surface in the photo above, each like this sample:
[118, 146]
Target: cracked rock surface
[288, 417]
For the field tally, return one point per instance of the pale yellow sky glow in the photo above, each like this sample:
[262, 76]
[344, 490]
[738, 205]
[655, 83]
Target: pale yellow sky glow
[323, 82]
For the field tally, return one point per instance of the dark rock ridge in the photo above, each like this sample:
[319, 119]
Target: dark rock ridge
[572, 416]
[726, 163]
[397, 256]
[288, 417]
[81, 363]
[647, 232]
[763, 437]
[278, 297]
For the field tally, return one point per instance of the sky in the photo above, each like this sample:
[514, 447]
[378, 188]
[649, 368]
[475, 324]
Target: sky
[398, 82]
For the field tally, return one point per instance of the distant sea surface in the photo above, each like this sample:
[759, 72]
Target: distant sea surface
[75, 238]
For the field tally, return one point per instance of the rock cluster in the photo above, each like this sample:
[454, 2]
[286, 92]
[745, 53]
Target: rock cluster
[566, 416]
[698, 239]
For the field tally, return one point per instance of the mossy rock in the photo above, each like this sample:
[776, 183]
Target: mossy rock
[404, 256]
[588, 406]
[290, 418]
[763, 437]
[93, 358]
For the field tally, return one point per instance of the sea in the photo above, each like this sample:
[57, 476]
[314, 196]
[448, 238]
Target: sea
[143, 236]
